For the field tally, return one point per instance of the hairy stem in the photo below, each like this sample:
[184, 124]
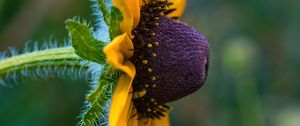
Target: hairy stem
[64, 56]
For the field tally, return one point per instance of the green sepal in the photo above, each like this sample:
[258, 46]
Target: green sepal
[85, 45]
[103, 8]
[112, 18]
[114, 25]
[98, 98]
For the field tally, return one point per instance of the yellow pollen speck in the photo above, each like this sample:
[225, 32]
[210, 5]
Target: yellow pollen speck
[132, 36]
[156, 18]
[156, 43]
[152, 100]
[149, 110]
[154, 86]
[154, 54]
[153, 78]
[156, 24]
[146, 85]
[150, 70]
[145, 61]
[137, 95]
[160, 107]
[153, 34]
[149, 45]
[146, 29]
[154, 111]
[155, 103]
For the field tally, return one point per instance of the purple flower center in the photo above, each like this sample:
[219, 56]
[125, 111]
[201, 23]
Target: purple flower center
[171, 60]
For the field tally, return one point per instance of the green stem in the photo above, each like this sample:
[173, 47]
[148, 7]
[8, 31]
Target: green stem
[57, 57]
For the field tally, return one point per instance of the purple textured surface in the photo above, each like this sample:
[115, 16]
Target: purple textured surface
[182, 60]
[181, 63]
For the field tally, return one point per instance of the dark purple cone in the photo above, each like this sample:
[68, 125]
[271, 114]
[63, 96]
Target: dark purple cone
[182, 60]
[170, 57]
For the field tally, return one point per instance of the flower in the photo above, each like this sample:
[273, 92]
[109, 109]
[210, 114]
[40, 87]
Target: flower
[162, 59]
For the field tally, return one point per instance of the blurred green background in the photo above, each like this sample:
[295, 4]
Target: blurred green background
[253, 76]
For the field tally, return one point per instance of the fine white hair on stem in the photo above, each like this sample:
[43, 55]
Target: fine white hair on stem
[66, 68]
[101, 28]
[103, 121]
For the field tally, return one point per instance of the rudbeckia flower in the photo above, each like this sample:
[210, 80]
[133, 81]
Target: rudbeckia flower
[162, 60]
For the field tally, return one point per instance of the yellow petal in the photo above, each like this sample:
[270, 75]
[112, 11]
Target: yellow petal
[144, 122]
[131, 14]
[135, 9]
[179, 5]
[133, 119]
[117, 53]
[121, 100]
[127, 23]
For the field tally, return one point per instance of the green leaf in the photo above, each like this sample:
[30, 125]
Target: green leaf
[86, 46]
[98, 98]
[114, 25]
